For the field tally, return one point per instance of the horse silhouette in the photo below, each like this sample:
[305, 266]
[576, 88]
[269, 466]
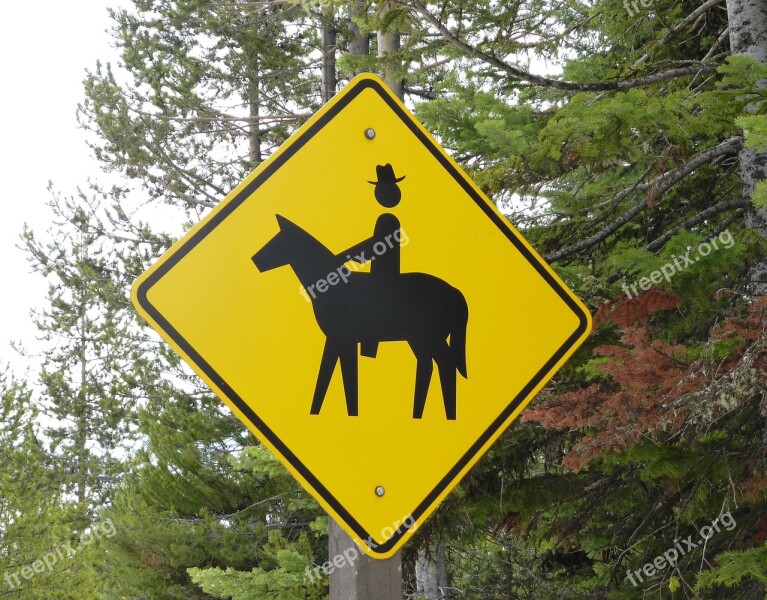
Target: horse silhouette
[416, 308]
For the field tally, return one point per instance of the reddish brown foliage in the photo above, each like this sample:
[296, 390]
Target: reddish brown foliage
[509, 523]
[749, 327]
[624, 311]
[760, 531]
[645, 378]
[754, 488]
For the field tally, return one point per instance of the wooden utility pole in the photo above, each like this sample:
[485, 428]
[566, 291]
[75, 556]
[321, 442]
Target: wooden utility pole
[363, 578]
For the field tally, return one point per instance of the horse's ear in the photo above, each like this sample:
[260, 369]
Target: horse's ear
[283, 222]
[288, 225]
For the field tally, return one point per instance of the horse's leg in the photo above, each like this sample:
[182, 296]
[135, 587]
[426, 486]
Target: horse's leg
[349, 370]
[423, 371]
[369, 348]
[447, 377]
[327, 366]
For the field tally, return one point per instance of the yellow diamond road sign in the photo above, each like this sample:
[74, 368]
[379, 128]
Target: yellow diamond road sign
[366, 311]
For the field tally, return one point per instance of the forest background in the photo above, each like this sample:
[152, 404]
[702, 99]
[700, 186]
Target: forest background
[616, 135]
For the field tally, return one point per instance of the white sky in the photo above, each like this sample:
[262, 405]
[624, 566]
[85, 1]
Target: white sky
[45, 47]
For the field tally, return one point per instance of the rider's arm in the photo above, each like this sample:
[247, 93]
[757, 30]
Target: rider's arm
[360, 253]
[387, 234]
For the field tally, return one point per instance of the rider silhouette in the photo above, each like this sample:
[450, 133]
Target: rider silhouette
[382, 250]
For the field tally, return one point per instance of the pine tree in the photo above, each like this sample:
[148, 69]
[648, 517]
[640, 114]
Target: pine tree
[40, 553]
[203, 499]
[87, 393]
[206, 91]
[81, 426]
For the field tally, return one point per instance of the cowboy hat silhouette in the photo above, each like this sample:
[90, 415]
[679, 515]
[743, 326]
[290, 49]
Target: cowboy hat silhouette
[385, 174]
[387, 192]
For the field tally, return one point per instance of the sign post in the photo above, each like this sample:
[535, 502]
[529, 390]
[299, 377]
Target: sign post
[363, 578]
[359, 287]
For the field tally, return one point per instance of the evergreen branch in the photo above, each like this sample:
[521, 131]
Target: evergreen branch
[428, 67]
[660, 185]
[223, 119]
[526, 76]
[711, 211]
[725, 35]
[290, 526]
[184, 175]
[254, 505]
[744, 376]
[541, 25]
[425, 94]
[537, 45]
[229, 516]
[691, 18]
[622, 195]
[725, 225]
[263, 4]
[548, 584]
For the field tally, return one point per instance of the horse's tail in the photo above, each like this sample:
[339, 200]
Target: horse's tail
[458, 338]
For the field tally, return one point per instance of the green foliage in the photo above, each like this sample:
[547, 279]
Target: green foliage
[734, 567]
[755, 130]
[286, 579]
[65, 451]
[203, 506]
[674, 584]
[759, 196]
[87, 398]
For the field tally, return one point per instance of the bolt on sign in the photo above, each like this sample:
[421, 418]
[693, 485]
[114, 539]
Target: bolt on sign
[367, 312]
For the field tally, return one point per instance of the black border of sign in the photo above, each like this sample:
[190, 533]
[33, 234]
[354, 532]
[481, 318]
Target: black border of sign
[243, 195]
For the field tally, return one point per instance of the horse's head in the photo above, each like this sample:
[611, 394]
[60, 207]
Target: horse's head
[277, 251]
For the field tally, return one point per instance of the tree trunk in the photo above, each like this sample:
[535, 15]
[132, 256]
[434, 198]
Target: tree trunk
[748, 37]
[389, 42]
[359, 43]
[431, 573]
[255, 155]
[82, 412]
[329, 43]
